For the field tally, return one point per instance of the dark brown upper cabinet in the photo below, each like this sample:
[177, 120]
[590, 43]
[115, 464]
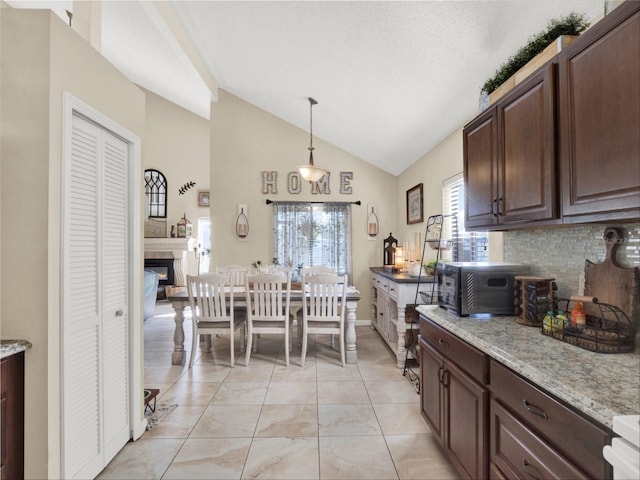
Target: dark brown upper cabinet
[600, 120]
[510, 157]
[563, 146]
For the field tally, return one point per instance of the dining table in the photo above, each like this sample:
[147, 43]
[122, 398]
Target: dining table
[179, 300]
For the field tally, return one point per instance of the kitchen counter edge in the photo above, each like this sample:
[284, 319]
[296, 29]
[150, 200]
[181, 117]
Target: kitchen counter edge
[402, 277]
[12, 347]
[599, 385]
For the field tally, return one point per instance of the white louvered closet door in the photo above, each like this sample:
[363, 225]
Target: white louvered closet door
[95, 311]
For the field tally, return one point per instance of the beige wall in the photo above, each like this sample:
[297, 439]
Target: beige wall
[443, 161]
[42, 58]
[438, 164]
[246, 141]
[176, 142]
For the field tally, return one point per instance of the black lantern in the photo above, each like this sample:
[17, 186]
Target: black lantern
[184, 227]
[389, 251]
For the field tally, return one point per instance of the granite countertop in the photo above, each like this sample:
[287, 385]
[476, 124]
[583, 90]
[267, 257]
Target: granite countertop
[11, 347]
[599, 385]
[402, 277]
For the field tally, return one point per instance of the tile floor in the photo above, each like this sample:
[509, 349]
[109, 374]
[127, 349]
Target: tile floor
[269, 421]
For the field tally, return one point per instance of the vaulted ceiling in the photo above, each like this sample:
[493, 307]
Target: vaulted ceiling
[392, 78]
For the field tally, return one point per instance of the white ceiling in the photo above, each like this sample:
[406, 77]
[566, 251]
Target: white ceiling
[392, 78]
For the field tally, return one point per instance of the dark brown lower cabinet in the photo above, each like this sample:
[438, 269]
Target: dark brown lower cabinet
[12, 417]
[494, 423]
[562, 442]
[454, 403]
[517, 452]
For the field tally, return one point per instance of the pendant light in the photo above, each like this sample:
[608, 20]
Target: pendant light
[310, 172]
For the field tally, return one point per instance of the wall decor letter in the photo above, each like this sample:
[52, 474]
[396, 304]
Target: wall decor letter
[294, 185]
[321, 186]
[345, 184]
[270, 182]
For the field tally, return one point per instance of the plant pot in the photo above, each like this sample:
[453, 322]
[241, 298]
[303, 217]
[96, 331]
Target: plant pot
[439, 244]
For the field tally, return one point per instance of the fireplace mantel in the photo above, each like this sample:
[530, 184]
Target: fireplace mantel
[175, 248]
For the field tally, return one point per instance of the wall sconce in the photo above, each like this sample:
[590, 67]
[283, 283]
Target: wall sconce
[372, 222]
[242, 222]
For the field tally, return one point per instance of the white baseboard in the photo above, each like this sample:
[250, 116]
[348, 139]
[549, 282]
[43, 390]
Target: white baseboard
[139, 430]
[360, 323]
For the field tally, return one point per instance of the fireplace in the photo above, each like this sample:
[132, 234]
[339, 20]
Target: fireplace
[168, 257]
[164, 268]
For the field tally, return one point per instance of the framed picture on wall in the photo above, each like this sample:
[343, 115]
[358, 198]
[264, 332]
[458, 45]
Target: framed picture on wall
[415, 206]
[203, 199]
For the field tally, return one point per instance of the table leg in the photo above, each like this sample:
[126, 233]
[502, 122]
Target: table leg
[177, 356]
[350, 333]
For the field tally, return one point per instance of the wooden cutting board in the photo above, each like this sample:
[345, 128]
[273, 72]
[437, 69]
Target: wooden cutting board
[610, 282]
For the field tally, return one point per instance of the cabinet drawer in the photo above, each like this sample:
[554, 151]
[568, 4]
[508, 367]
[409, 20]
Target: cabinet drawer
[581, 439]
[393, 289]
[382, 283]
[519, 453]
[468, 358]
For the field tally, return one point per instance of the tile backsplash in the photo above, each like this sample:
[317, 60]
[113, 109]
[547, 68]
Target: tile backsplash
[561, 252]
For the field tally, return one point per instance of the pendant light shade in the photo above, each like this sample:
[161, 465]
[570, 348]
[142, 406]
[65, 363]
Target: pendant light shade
[310, 172]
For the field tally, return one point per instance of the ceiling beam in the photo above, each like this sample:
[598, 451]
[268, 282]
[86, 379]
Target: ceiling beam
[167, 22]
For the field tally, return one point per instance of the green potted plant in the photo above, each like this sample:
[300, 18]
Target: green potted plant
[572, 24]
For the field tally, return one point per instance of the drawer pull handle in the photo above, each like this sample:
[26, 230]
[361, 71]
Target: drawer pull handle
[531, 470]
[440, 374]
[119, 313]
[531, 408]
[442, 342]
[445, 378]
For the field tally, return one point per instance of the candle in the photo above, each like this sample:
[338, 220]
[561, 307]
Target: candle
[399, 257]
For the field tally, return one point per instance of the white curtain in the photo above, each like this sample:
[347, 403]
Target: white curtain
[308, 234]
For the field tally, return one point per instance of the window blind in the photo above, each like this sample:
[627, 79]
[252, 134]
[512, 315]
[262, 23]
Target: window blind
[467, 246]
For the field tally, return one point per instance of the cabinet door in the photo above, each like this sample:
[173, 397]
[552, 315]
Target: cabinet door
[465, 434]
[480, 170]
[526, 172]
[431, 392]
[600, 120]
[12, 417]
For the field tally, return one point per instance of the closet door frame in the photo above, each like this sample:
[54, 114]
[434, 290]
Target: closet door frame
[71, 105]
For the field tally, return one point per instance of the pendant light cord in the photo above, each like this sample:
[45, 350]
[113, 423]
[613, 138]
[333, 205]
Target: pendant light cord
[312, 102]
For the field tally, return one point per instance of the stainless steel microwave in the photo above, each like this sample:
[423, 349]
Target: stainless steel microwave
[468, 288]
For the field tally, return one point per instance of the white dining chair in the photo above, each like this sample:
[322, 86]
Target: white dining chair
[210, 311]
[310, 270]
[313, 269]
[323, 309]
[268, 299]
[235, 274]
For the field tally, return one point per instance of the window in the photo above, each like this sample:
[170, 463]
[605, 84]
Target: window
[204, 244]
[155, 188]
[467, 246]
[308, 234]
